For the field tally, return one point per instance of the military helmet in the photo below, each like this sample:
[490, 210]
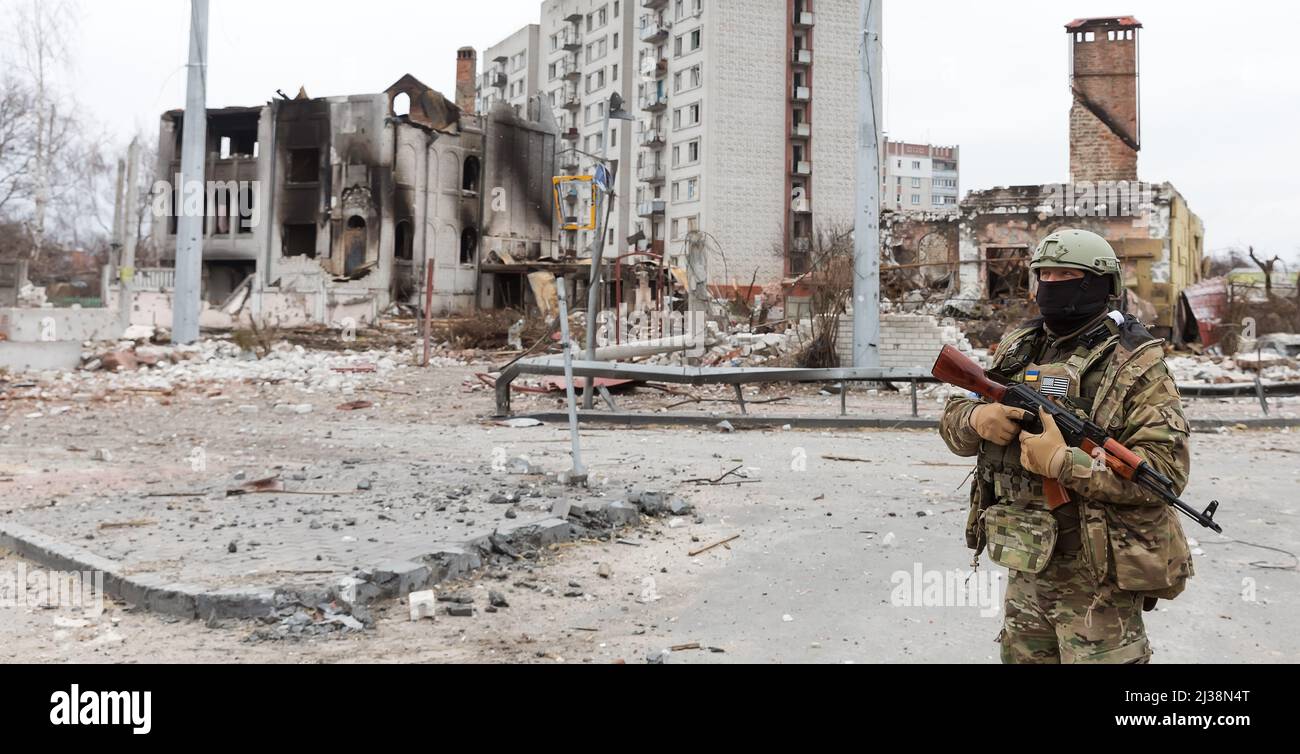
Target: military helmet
[1079, 250]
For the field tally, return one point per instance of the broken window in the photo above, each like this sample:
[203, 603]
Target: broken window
[304, 165]
[299, 240]
[470, 178]
[468, 246]
[1008, 271]
[403, 242]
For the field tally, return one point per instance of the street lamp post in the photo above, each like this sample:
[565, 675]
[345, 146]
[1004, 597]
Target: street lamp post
[613, 111]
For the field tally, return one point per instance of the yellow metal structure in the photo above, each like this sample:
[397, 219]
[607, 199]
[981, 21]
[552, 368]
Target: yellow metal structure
[590, 181]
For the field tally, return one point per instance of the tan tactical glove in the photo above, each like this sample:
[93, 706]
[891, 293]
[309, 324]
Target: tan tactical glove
[1047, 453]
[996, 423]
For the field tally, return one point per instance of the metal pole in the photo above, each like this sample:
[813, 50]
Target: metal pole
[130, 229]
[189, 230]
[866, 236]
[428, 309]
[597, 251]
[578, 474]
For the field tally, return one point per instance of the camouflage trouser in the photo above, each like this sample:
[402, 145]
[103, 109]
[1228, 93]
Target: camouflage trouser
[1059, 616]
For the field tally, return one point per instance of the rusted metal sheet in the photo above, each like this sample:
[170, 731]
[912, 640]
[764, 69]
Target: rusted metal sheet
[1203, 307]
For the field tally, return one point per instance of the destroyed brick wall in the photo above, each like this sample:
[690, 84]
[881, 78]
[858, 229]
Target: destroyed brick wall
[1104, 123]
[989, 244]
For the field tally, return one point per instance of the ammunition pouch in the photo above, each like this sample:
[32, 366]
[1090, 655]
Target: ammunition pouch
[1021, 539]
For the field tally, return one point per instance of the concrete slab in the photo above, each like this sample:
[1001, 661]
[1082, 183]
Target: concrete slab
[17, 357]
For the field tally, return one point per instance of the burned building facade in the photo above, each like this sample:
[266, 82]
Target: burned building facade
[981, 253]
[329, 210]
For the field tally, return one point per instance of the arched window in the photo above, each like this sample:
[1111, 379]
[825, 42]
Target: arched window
[468, 246]
[354, 245]
[401, 104]
[404, 249]
[471, 176]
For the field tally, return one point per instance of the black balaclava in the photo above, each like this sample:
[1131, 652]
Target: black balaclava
[1070, 304]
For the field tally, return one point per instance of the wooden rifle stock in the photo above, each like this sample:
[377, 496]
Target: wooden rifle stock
[956, 368]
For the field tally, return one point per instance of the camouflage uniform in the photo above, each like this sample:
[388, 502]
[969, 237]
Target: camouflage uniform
[1081, 576]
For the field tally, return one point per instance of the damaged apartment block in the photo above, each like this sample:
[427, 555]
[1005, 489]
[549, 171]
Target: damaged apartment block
[335, 209]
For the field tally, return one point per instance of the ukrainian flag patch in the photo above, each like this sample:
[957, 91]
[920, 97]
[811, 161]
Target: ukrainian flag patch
[1031, 375]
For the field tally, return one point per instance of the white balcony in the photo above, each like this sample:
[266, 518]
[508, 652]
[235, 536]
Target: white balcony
[650, 208]
[802, 167]
[654, 101]
[801, 94]
[653, 29]
[651, 137]
[801, 130]
[805, 20]
[650, 173]
[802, 57]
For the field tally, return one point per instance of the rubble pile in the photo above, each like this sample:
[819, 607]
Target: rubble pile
[1218, 370]
[743, 347]
[142, 367]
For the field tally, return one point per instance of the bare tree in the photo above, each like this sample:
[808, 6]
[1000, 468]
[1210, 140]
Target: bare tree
[830, 281]
[1267, 267]
[16, 139]
[42, 29]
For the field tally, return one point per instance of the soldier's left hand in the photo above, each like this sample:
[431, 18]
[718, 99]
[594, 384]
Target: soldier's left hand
[1044, 454]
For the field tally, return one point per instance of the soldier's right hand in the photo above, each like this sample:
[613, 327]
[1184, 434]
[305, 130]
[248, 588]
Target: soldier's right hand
[996, 423]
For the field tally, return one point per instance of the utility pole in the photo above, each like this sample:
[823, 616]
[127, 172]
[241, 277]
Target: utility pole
[866, 234]
[194, 138]
[130, 231]
[613, 111]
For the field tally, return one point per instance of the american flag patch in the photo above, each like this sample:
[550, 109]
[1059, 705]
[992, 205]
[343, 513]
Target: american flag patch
[1056, 386]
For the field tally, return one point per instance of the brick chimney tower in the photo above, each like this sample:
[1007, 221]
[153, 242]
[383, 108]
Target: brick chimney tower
[466, 76]
[1105, 136]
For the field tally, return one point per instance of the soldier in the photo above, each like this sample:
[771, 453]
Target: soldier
[1080, 576]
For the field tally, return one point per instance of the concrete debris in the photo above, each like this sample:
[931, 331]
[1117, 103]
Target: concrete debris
[423, 605]
[126, 366]
[1242, 368]
[519, 423]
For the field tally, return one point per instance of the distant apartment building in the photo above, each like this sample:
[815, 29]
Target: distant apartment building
[587, 53]
[744, 137]
[511, 71]
[919, 177]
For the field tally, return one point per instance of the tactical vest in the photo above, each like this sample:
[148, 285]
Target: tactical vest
[1072, 376]
[1142, 548]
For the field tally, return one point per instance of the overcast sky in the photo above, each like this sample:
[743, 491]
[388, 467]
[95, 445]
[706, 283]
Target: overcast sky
[1220, 83]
